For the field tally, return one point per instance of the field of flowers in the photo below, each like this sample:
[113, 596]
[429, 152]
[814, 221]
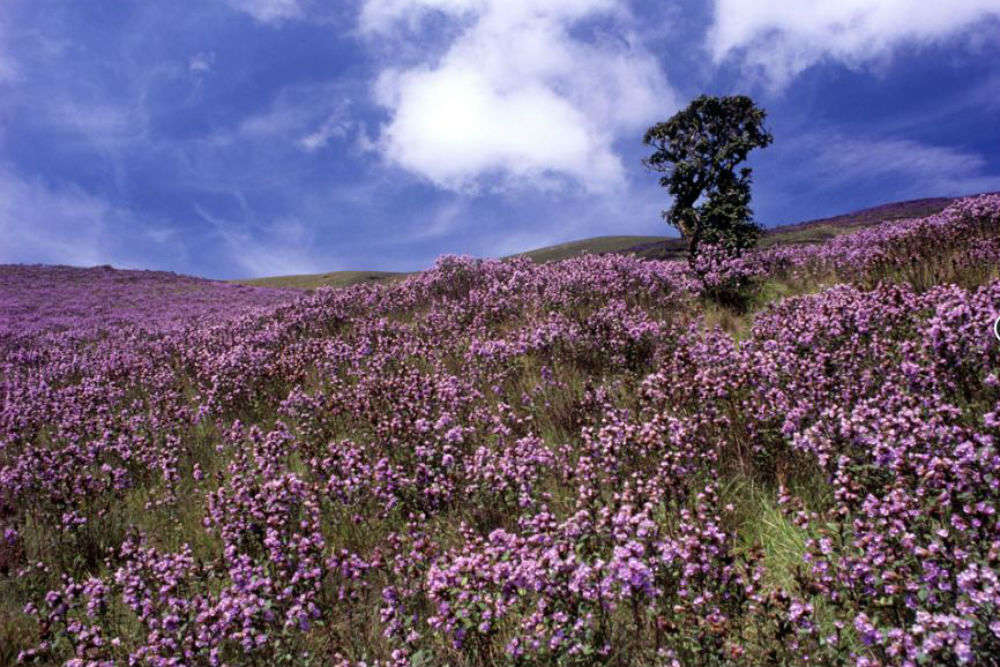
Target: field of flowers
[788, 459]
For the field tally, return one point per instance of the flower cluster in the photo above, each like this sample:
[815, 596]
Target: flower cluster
[723, 273]
[497, 462]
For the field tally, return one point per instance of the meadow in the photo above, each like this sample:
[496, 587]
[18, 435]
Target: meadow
[787, 459]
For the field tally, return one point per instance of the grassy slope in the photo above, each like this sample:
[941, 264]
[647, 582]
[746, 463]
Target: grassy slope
[814, 231]
[658, 247]
[761, 522]
[597, 244]
[331, 279]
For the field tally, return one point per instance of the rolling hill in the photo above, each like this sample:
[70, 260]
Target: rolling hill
[606, 460]
[330, 279]
[650, 247]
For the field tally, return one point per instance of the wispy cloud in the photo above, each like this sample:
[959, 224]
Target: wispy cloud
[268, 11]
[97, 123]
[307, 116]
[890, 167]
[336, 126]
[517, 94]
[443, 220]
[781, 39]
[8, 65]
[854, 158]
[42, 223]
[61, 223]
[277, 248]
[201, 62]
[381, 133]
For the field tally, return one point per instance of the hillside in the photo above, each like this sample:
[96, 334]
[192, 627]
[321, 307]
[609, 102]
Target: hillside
[788, 459]
[594, 245]
[652, 247]
[811, 231]
[330, 279]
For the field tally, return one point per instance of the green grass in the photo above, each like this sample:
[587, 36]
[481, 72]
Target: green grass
[651, 247]
[595, 245]
[331, 279]
[556, 415]
[811, 234]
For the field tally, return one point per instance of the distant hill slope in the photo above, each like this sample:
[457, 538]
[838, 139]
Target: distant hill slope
[331, 279]
[811, 231]
[653, 247]
[597, 244]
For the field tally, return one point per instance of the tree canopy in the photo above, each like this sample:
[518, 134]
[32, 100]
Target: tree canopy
[698, 150]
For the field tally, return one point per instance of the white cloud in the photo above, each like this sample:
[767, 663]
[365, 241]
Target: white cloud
[308, 116]
[516, 92]
[781, 39]
[867, 158]
[442, 220]
[334, 127]
[8, 71]
[382, 15]
[39, 223]
[563, 220]
[201, 62]
[907, 168]
[49, 223]
[97, 123]
[276, 249]
[8, 65]
[268, 11]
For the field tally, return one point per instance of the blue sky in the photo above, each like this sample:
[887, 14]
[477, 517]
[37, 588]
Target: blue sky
[238, 138]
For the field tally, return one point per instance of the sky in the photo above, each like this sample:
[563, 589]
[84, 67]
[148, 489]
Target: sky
[246, 138]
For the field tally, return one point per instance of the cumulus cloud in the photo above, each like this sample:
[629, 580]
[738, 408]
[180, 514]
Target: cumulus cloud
[781, 39]
[382, 15]
[519, 90]
[268, 11]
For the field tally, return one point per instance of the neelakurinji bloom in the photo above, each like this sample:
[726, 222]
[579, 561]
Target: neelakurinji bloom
[497, 462]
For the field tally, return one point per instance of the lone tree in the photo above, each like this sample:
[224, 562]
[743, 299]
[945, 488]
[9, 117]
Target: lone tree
[698, 149]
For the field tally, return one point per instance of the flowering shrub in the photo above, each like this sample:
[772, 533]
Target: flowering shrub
[495, 462]
[723, 274]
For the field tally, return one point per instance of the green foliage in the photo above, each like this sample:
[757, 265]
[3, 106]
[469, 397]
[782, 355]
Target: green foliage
[698, 150]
